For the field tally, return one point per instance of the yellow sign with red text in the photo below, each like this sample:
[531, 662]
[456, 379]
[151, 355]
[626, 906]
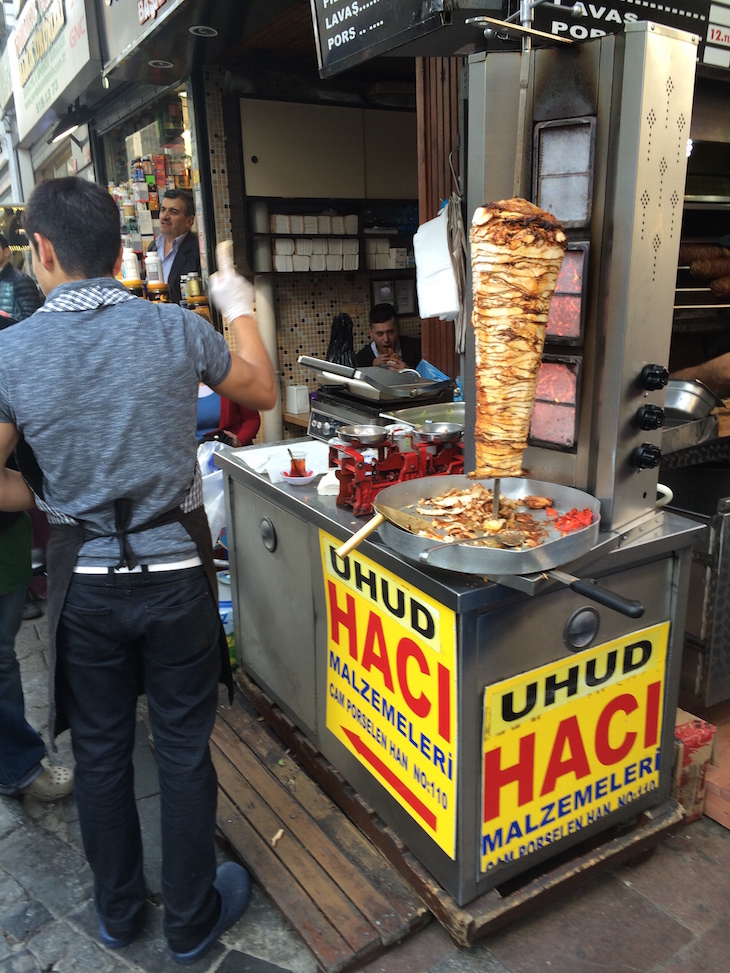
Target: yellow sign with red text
[391, 686]
[570, 742]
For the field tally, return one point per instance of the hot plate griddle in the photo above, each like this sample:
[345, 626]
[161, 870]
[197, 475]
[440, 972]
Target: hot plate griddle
[379, 383]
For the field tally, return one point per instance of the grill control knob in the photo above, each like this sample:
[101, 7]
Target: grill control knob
[654, 377]
[650, 417]
[647, 456]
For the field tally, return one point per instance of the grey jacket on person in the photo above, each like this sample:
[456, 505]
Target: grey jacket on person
[19, 296]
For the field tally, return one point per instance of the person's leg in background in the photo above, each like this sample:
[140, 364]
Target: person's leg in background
[11, 615]
[37, 587]
[21, 747]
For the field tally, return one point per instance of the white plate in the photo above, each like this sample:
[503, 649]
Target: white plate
[298, 480]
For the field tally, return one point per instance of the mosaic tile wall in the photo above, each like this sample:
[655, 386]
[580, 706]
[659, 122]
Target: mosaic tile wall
[305, 304]
[217, 145]
[195, 161]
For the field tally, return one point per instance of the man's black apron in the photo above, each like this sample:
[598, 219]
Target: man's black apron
[62, 552]
[64, 545]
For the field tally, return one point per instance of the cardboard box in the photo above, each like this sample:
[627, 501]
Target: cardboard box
[695, 746]
[397, 258]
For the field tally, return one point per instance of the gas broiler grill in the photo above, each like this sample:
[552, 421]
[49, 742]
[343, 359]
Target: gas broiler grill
[495, 717]
[355, 396]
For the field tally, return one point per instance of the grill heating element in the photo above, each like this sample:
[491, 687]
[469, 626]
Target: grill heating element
[554, 416]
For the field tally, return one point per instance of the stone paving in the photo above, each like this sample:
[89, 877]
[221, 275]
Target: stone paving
[666, 915]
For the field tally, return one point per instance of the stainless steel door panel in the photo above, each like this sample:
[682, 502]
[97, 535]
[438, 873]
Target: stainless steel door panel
[513, 640]
[275, 627]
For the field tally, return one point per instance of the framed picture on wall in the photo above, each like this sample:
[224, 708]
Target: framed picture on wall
[405, 296]
[383, 291]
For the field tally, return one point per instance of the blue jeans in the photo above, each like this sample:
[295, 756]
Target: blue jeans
[21, 749]
[117, 633]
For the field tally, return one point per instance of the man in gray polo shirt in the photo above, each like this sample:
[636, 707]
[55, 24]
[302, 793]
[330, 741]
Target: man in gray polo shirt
[104, 388]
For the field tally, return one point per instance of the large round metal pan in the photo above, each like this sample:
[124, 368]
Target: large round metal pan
[471, 558]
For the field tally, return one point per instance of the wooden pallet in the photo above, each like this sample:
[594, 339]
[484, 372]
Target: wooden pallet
[499, 906]
[340, 894]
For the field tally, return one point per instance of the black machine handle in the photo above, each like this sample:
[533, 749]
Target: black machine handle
[591, 589]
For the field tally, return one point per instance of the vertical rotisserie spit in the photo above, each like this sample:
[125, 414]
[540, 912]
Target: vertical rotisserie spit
[516, 253]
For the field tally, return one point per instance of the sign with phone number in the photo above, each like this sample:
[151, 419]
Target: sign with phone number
[391, 686]
[46, 51]
[709, 20]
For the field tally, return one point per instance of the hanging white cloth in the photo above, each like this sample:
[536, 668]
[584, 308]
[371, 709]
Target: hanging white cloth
[436, 286]
[439, 247]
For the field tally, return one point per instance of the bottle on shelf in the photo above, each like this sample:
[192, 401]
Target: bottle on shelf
[195, 298]
[158, 292]
[134, 286]
[130, 265]
[153, 267]
[183, 290]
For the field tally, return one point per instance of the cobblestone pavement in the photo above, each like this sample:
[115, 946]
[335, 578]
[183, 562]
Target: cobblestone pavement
[666, 915]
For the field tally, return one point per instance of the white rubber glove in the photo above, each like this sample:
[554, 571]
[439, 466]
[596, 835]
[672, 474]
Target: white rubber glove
[231, 294]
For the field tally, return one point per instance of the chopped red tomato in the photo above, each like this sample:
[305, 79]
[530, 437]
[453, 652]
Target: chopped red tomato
[551, 512]
[574, 520]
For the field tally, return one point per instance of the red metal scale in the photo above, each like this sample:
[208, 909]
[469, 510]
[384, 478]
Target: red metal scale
[362, 478]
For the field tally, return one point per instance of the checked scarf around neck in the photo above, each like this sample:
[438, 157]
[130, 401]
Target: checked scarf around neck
[87, 298]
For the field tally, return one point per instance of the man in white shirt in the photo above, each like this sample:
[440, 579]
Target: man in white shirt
[177, 247]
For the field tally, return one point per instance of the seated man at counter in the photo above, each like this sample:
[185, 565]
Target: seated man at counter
[387, 346]
[714, 373]
[177, 245]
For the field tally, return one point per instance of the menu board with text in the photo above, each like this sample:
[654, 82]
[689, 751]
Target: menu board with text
[348, 32]
[708, 19]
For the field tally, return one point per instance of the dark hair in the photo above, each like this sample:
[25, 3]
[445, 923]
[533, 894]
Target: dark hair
[3, 242]
[383, 312]
[186, 196]
[81, 220]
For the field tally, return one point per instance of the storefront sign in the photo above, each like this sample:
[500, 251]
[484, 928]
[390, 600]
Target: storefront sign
[708, 19]
[569, 743]
[48, 50]
[147, 9]
[124, 23]
[6, 82]
[350, 31]
[391, 686]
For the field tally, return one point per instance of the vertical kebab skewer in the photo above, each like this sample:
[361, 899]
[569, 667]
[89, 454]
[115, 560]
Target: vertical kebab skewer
[516, 252]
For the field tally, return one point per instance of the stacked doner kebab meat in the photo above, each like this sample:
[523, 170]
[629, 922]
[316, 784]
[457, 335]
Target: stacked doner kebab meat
[516, 253]
[708, 262]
